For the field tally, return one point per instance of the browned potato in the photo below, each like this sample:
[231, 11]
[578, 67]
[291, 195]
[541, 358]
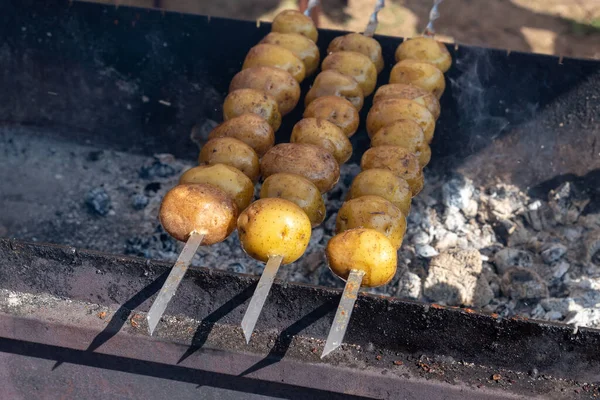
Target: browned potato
[299, 191]
[199, 208]
[324, 134]
[293, 21]
[230, 180]
[251, 129]
[421, 74]
[271, 55]
[353, 64]
[307, 160]
[407, 134]
[361, 44]
[233, 152]
[302, 47]
[253, 101]
[398, 160]
[409, 92]
[336, 110]
[273, 81]
[334, 83]
[372, 212]
[425, 49]
[385, 112]
[383, 183]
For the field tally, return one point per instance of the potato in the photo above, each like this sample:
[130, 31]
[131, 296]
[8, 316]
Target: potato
[361, 44]
[333, 83]
[353, 64]
[200, 208]
[425, 49]
[302, 47]
[293, 21]
[230, 180]
[409, 92]
[421, 74]
[324, 134]
[231, 152]
[385, 112]
[274, 227]
[336, 110]
[243, 101]
[251, 129]
[271, 55]
[307, 160]
[273, 81]
[398, 160]
[407, 134]
[299, 191]
[365, 250]
[383, 183]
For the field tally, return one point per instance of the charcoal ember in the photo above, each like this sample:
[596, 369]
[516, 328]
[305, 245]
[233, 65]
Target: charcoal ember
[425, 251]
[98, 201]
[503, 201]
[503, 228]
[453, 219]
[447, 240]
[201, 130]
[421, 238]
[409, 286]
[552, 252]
[523, 283]
[567, 201]
[507, 257]
[539, 216]
[457, 192]
[161, 167]
[139, 201]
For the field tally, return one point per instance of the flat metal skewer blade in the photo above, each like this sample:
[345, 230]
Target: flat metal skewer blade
[311, 4]
[373, 22]
[173, 280]
[433, 15]
[344, 311]
[260, 295]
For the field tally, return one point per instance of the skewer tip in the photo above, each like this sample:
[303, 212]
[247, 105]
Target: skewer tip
[247, 334]
[329, 347]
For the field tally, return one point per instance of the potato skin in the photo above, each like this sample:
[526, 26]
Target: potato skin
[365, 250]
[231, 152]
[398, 160]
[271, 55]
[324, 134]
[361, 44]
[230, 180]
[274, 227]
[383, 183]
[200, 208]
[302, 47]
[243, 101]
[407, 134]
[273, 81]
[409, 92]
[334, 83]
[293, 21]
[353, 64]
[336, 110]
[421, 74]
[251, 129]
[385, 112]
[299, 191]
[425, 49]
[307, 160]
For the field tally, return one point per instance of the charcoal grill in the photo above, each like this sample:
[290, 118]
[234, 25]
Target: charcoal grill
[88, 78]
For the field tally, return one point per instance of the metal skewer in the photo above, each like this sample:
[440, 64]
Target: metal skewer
[373, 22]
[311, 4]
[433, 15]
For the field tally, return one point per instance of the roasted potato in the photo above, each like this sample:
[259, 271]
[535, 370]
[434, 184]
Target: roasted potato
[361, 44]
[334, 83]
[233, 152]
[199, 208]
[252, 101]
[307, 160]
[421, 74]
[383, 183]
[385, 112]
[336, 110]
[251, 129]
[324, 134]
[407, 134]
[299, 191]
[409, 92]
[293, 21]
[302, 47]
[273, 81]
[271, 55]
[398, 160]
[365, 250]
[274, 227]
[353, 64]
[426, 50]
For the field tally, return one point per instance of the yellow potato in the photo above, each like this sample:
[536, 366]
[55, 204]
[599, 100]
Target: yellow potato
[274, 227]
[273, 81]
[200, 208]
[271, 55]
[409, 92]
[353, 64]
[365, 250]
[385, 112]
[361, 44]
[231, 152]
[398, 160]
[302, 47]
[230, 180]
[407, 134]
[243, 101]
[336, 110]
[425, 49]
[333, 83]
[299, 191]
[251, 129]
[421, 74]
[307, 160]
[293, 21]
[383, 183]
[324, 134]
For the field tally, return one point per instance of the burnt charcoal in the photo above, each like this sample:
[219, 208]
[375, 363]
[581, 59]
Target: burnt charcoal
[553, 252]
[426, 251]
[567, 201]
[95, 155]
[457, 192]
[98, 201]
[523, 283]
[138, 246]
[506, 258]
[409, 286]
[152, 188]
[139, 201]
[503, 228]
[157, 169]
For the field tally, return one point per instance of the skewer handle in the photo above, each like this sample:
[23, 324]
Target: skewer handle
[373, 22]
